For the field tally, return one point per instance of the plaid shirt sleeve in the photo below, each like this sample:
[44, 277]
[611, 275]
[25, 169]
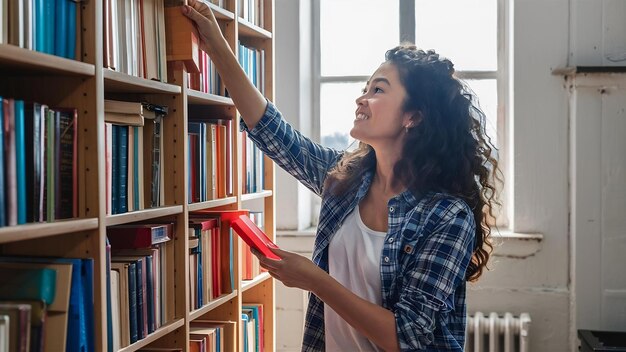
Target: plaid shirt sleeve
[304, 159]
[437, 267]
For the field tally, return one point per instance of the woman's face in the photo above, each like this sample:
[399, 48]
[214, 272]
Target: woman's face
[380, 119]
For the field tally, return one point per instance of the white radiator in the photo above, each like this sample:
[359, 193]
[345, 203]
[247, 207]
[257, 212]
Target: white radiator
[497, 332]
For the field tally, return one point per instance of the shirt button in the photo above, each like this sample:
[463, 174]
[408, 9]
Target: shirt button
[391, 209]
[390, 239]
[386, 259]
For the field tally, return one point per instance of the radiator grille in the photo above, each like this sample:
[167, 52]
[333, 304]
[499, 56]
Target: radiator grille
[497, 332]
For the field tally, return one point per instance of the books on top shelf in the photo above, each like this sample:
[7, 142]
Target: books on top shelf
[50, 27]
[134, 38]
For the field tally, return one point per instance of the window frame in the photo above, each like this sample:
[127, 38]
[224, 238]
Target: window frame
[502, 75]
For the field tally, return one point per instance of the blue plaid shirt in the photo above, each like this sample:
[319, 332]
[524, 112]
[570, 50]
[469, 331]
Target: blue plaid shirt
[427, 248]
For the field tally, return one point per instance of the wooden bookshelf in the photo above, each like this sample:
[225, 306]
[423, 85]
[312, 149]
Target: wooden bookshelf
[84, 84]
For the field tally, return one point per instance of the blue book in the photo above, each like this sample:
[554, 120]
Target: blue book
[20, 162]
[3, 219]
[132, 302]
[70, 51]
[49, 15]
[60, 27]
[40, 25]
[88, 299]
[150, 294]
[122, 167]
[115, 178]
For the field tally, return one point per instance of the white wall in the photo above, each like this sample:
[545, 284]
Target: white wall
[533, 278]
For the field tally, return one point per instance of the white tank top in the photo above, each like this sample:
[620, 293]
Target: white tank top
[353, 260]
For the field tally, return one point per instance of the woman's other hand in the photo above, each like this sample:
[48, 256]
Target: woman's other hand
[293, 270]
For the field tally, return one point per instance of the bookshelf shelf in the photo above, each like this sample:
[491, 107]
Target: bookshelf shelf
[164, 330]
[29, 61]
[212, 204]
[212, 305]
[201, 98]
[257, 195]
[117, 82]
[44, 229]
[141, 215]
[247, 29]
[220, 13]
[249, 284]
[56, 85]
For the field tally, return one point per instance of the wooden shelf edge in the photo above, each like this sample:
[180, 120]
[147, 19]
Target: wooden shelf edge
[162, 331]
[248, 284]
[248, 29]
[257, 195]
[211, 204]
[212, 305]
[117, 82]
[141, 215]
[201, 98]
[13, 56]
[220, 13]
[45, 229]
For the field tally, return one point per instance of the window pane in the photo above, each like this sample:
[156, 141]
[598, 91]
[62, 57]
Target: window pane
[465, 31]
[355, 34]
[487, 92]
[337, 107]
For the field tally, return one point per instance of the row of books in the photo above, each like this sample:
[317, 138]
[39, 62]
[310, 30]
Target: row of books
[210, 160]
[253, 166]
[48, 26]
[46, 304]
[133, 144]
[139, 286]
[253, 62]
[252, 11]
[38, 162]
[206, 80]
[134, 37]
[211, 257]
[252, 320]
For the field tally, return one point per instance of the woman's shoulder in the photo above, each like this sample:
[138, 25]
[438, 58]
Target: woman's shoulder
[438, 207]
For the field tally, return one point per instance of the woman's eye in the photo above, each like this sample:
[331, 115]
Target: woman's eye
[364, 90]
[378, 90]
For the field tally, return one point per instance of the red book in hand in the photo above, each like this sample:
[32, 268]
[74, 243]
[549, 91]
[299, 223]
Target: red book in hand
[254, 236]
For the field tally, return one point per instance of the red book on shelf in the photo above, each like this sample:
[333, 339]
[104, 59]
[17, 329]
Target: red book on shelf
[138, 235]
[254, 236]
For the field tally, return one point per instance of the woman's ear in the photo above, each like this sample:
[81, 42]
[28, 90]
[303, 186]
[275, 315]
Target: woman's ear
[414, 120]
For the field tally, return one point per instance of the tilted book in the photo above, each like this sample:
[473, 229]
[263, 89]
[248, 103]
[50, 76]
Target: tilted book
[254, 236]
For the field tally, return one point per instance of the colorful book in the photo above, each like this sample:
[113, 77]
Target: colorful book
[25, 283]
[254, 236]
[138, 235]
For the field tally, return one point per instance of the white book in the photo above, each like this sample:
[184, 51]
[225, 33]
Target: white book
[4, 333]
[115, 309]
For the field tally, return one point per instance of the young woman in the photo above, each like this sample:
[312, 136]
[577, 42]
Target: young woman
[403, 224]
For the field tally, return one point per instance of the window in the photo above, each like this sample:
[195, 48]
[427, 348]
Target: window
[351, 37]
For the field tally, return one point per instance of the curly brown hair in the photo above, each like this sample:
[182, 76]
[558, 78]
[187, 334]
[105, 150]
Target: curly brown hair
[448, 151]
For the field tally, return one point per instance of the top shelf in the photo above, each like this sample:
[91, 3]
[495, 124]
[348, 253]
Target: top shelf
[249, 30]
[220, 13]
[29, 61]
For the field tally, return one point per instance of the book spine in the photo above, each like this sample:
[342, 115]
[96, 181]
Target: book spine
[122, 196]
[132, 302]
[3, 219]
